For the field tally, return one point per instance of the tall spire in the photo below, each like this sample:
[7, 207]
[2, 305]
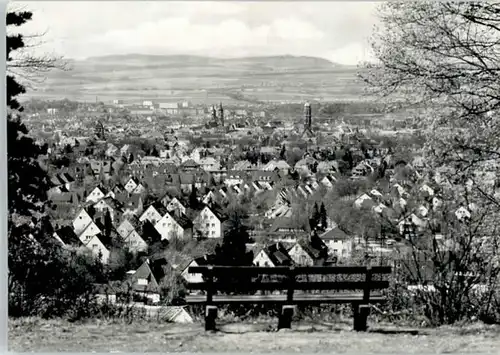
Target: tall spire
[307, 120]
[221, 114]
[214, 114]
[307, 116]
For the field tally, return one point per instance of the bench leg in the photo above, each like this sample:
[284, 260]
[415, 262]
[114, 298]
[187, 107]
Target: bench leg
[210, 316]
[285, 319]
[361, 312]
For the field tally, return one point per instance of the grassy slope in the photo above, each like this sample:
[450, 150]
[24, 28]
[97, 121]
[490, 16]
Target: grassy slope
[51, 336]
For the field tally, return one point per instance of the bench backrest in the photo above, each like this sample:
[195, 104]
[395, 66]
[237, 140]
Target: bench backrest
[288, 276]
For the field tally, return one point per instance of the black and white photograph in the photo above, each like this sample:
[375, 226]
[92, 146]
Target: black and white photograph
[253, 176]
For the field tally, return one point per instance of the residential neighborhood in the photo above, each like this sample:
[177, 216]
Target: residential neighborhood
[293, 195]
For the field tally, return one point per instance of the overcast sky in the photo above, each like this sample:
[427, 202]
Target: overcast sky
[338, 31]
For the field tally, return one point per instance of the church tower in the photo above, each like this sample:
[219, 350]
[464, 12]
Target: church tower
[221, 114]
[214, 114]
[307, 116]
[307, 133]
[100, 131]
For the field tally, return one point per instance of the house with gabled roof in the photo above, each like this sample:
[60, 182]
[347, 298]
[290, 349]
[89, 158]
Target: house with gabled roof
[262, 175]
[114, 207]
[140, 189]
[125, 150]
[210, 222]
[328, 167]
[90, 230]
[300, 255]
[374, 193]
[422, 211]
[364, 201]
[427, 190]
[153, 213]
[61, 182]
[67, 237]
[117, 189]
[126, 226]
[362, 169]
[287, 225]
[186, 181]
[412, 221]
[96, 194]
[131, 184]
[328, 181]
[279, 211]
[174, 225]
[209, 164]
[272, 256]
[176, 205]
[201, 261]
[190, 165]
[146, 280]
[81, 221]
[280, 166]
[462, 213]
[339, 243]
[209, 198]
[399, 191]
[242, 165]
[111, 150]
[234, 177]
[100, 246]
[133, 206]
[306, 165]
[135, 242]
[309, 252]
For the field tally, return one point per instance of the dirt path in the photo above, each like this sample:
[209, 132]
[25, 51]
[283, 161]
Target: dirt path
[54, 336]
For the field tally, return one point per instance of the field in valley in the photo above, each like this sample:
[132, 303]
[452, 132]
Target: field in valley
[53, 336]
[201, 79]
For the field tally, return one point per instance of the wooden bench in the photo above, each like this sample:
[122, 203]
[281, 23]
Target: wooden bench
[360, 293]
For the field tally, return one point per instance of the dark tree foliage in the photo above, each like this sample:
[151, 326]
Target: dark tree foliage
[233, 250]
[349, 159]
[193, 197]
[323, 217]
[154, 152]
[315, 218]
[318, 244]
[283, 153]
[43, 279]
[108, 224]
[91, 211]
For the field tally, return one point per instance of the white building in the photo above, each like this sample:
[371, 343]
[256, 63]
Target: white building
[174, 225]
[210, 223]
[99, 248]
[338, 242]
[153, 213]
[89, 232]
[81, 221]
[95, 195]
[135, 242]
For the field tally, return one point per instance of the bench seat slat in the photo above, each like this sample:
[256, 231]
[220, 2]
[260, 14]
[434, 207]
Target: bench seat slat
[297, 298]
[284, 270]
[277, 285]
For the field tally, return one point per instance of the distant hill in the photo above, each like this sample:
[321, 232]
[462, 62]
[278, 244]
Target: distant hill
[133, 76]
[267, 61]
[134, 62]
